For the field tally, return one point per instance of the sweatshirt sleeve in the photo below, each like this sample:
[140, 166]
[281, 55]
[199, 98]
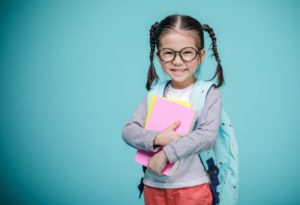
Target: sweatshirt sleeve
[134, 133]
[204, 137]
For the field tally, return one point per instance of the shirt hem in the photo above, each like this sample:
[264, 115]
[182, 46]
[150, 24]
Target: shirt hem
[165, 185]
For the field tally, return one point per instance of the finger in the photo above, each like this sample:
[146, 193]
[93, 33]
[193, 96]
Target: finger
[176, 137]
[175, 125]
[154, 172]
[179, 135]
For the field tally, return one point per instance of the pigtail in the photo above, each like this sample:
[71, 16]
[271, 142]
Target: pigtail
[152, 76]
[219, 69]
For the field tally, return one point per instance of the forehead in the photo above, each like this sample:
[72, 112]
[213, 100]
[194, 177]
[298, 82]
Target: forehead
[178, 40]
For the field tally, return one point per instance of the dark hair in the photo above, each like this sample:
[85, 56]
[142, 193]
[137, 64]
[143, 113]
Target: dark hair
[183, 22]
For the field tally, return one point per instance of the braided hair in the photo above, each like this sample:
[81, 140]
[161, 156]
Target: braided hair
[152, 75]
[184, 22]
[219, 69]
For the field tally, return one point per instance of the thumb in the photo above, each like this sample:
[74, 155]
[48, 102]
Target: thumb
[175, 125]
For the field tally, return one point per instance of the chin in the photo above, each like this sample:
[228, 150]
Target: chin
[179, 80]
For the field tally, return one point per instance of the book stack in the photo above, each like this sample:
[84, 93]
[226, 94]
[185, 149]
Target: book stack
[163, 112]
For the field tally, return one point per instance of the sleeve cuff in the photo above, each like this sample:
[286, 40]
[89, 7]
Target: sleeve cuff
[170, 154]
[149, 138]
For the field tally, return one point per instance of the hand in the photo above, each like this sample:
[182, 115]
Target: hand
[158, 162]
[168, 135]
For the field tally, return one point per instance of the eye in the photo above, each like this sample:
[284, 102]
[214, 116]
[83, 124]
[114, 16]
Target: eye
[168, 53]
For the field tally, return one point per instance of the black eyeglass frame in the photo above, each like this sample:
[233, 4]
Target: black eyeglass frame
[179, 52]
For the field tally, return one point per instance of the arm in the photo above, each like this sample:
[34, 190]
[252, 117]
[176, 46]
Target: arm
[205, 136]
[134, 133]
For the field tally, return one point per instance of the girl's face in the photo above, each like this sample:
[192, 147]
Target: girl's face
[181, 72]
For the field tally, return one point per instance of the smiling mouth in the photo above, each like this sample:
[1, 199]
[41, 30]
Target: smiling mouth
[179, 71]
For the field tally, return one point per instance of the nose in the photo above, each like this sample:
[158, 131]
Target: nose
[177, 59]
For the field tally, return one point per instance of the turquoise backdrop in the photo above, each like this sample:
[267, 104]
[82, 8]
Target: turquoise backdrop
[73, 72]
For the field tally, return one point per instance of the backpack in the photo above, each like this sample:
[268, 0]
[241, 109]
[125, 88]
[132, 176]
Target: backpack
[221, 162]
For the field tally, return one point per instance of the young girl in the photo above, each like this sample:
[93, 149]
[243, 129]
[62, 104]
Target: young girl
[179, 40]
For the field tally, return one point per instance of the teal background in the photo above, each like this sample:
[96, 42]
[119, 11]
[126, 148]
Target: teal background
[66, 66]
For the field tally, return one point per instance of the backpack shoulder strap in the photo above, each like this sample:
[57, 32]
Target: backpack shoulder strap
[157, 90]
[208, 158]
[198, 98]
[199, 93]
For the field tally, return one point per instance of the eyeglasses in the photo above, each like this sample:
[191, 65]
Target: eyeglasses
[186, 54]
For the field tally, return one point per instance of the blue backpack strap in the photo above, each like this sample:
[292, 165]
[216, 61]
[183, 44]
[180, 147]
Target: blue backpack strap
[199, 92]
[157, 90]
[208, 158]
[198, 97]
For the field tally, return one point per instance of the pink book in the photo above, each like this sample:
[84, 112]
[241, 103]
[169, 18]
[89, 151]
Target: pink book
[163, 114]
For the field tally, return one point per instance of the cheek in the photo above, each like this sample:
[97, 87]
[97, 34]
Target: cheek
[165, 66]
[165, 69]
[192, 65]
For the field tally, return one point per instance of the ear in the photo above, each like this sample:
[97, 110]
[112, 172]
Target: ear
[201, 56]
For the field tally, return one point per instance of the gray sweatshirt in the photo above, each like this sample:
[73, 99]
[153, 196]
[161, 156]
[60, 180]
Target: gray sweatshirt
[190, 171]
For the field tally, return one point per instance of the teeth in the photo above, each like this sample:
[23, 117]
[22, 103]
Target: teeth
[178, 71]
